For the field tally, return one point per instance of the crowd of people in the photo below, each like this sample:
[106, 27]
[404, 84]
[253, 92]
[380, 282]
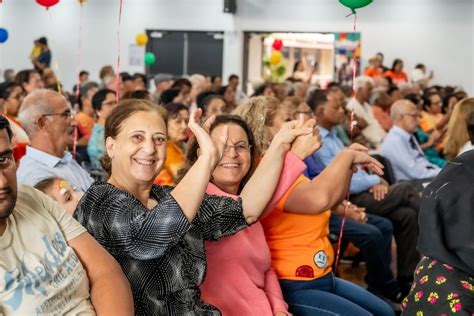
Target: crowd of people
[193, 198]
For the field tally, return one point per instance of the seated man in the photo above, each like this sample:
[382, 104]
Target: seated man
[373, 132]
[399, 203]
[48, 121]
[50, 265]
[401, 147]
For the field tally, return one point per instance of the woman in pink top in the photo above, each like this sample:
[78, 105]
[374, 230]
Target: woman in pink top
[239, 279]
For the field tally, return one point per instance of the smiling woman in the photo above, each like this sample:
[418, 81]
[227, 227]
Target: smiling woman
[157, 233]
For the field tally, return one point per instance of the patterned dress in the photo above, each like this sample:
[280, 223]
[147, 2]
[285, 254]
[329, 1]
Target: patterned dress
[439, 289]
[160, 252]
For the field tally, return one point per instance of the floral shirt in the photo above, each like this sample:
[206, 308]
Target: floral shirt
[160, 252]
[439, 289]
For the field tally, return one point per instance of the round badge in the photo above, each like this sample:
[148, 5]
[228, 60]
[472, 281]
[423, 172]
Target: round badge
[321, 259]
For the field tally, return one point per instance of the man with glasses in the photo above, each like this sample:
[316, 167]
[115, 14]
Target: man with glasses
[402, 149]
[49, 122]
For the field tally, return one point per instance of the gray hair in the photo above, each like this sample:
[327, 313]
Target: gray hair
[375, 95]
[361, 81]
[399, 108]
[33, 107]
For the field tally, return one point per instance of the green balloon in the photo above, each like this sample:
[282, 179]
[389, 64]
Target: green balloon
[149, 58]
[355, 4]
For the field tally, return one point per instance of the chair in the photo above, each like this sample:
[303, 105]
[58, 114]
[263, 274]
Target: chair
[388, 173]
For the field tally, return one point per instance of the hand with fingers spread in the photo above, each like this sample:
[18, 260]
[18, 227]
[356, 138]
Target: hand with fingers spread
[209, 149]
[305, 145]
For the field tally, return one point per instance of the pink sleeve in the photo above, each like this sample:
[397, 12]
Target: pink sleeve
[293, 167]
[274, 294]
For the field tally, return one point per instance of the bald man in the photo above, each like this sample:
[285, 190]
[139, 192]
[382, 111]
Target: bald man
[402, 148]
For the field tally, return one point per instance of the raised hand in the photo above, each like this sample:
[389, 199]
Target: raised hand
[291, 130]
[208, 148]
[305, 145]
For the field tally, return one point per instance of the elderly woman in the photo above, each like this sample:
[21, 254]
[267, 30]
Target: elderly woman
[297, 228]
[457, 138]
[444, 278]
[157, 233]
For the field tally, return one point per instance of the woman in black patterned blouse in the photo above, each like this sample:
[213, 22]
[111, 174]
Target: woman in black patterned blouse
[157, 233]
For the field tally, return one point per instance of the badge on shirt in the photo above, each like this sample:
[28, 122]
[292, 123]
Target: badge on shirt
[321, 259]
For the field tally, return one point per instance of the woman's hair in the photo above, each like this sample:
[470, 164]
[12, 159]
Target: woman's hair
[227, 119]
[143, 77]
[174, 108]
[427, 99]
[259, 113]
[137, 94]
[168, 95]
[457, 134]
[45, 184]
[124, 110]
[293, 102]
[6, 89]
[99, 97]
[261, 89]
[296, 65]
[470, 125]
[395, 62]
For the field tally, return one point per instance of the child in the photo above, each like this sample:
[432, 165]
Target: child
[61, 191]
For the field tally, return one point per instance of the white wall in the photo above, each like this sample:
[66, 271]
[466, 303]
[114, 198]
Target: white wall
[438, 33]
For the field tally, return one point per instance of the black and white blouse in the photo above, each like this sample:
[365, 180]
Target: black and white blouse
[160, 252]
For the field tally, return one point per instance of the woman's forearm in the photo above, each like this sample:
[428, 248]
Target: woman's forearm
[324, 191]
[259, 189]
[190, 190]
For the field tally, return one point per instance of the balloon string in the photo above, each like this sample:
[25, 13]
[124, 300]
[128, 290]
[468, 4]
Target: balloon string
[117, 78]
[56, 67]
[351, 129]
[79, 53]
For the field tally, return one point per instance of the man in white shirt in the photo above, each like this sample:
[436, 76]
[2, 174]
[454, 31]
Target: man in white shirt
[374, 133]
[48, 120]
[50, 265]
[401, 147]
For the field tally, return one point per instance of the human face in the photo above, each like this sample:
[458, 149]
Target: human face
[229, 95]
[366, 91]
[268, 92]
[128, 85]
[234, 83]
[84, 78]
[399, 66]
[138, 152]
[63, 193]
[107, 106]
[303, 110]
[139, 84]
[34, 83]
[384, 100]
[236, 160]
[408, 119]
[436, 104]
[333, 112]
[282, 116]
[217, 83]
[215, 107]
[59, 123]
[8, 188]
[185, 95]
[13, 102]
[178, 127]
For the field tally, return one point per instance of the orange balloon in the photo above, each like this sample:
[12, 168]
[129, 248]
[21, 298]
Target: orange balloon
[141, 39]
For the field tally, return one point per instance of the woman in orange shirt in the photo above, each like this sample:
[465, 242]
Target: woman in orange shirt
[396, 74]
[297, 229]
[178, 118]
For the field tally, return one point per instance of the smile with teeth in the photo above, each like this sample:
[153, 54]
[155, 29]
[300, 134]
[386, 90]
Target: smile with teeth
[230, 165]
[146, 162]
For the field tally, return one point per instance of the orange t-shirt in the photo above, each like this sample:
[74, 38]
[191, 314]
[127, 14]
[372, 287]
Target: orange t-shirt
[175, 160]
[298, 243]
[85, 124]
[373, 72]
[429, 121]
[396, 76]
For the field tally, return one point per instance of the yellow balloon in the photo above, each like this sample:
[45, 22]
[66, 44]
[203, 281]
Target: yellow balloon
[141, 39]
[275, 57]
[82, 1]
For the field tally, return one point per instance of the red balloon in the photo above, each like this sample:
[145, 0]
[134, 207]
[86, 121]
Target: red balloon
[47, 3]
[277, 44]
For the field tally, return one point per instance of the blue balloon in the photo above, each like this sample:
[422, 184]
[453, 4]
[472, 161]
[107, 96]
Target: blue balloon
[3, 35]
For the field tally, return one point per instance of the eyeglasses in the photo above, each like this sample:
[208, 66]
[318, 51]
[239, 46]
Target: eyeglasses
[65, 115]
[239, 147]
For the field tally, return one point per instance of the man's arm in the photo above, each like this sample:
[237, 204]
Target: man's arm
[110, 289]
